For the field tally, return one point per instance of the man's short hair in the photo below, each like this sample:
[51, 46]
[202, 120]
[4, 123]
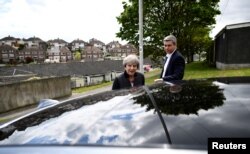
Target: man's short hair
[131, 59]
[171, 38]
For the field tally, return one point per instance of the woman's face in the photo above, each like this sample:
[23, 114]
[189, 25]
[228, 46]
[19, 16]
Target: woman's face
[131, 69]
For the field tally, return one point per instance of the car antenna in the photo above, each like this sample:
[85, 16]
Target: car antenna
[159, 114]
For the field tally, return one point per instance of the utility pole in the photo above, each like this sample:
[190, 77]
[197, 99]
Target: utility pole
[141, 35]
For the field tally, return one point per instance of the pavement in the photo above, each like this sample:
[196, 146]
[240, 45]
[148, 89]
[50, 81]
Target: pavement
[8, 116]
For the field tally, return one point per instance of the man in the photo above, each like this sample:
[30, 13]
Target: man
[174, 64]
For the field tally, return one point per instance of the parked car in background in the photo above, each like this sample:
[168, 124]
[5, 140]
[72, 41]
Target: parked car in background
[147, 68]
[176, 117]
[51, 61]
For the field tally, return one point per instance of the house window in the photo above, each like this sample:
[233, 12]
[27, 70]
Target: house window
[11, 55]
[5, 55]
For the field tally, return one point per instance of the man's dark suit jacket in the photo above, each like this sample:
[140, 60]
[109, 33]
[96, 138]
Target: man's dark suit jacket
[175, 69]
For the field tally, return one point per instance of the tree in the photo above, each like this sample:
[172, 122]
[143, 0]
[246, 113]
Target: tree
[21, 47]
[190, 21]
[180, 99]
[29, 60]
[77, 55]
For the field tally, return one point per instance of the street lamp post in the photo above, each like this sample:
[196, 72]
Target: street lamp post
[141, 35]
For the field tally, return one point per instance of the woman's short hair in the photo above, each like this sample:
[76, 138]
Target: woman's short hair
[131, 59]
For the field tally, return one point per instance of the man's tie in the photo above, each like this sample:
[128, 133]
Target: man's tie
[165, 59]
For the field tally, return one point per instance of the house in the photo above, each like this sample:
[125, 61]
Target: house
[112, 45]
[34, 42]
[97, 43]
[8, 54]
[9, 40]
[91, 53]
[36, 53]
[57, 43]
[123, 51]
[77, 44]
[65, 54]
[59, 54]
[232, 47]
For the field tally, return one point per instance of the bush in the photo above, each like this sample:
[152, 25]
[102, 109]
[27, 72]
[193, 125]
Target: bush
[29, 60]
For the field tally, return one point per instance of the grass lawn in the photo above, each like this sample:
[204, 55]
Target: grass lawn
[201, 70]
[198, 70]
[193, 70]
[88, 88]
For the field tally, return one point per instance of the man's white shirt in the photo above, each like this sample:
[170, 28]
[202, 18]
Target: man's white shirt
[168, 56]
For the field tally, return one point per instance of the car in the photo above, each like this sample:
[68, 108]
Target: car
[51, 61]
[147, 68]
[47, 61]
[167, 117]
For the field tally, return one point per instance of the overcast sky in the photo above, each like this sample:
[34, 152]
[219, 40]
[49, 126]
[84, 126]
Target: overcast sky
[232, 12]
[64, 19]
[86, 19]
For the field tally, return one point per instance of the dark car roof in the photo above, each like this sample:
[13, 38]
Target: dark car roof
[219, 110]
[192, 112]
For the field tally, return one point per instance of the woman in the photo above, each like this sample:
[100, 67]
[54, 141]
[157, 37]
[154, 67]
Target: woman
[130, 77]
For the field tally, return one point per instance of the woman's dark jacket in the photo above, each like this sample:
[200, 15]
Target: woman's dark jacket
[122, 81]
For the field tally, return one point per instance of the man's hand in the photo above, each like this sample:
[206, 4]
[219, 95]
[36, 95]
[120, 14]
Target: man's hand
[158, 80]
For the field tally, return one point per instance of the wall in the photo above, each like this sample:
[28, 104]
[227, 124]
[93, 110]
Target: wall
[95, 79]
[26, 93]
[221, 47]
[77, 82]
[232, 47]
[238, 46]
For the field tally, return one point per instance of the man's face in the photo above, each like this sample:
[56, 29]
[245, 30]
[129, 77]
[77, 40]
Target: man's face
[169, 46]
